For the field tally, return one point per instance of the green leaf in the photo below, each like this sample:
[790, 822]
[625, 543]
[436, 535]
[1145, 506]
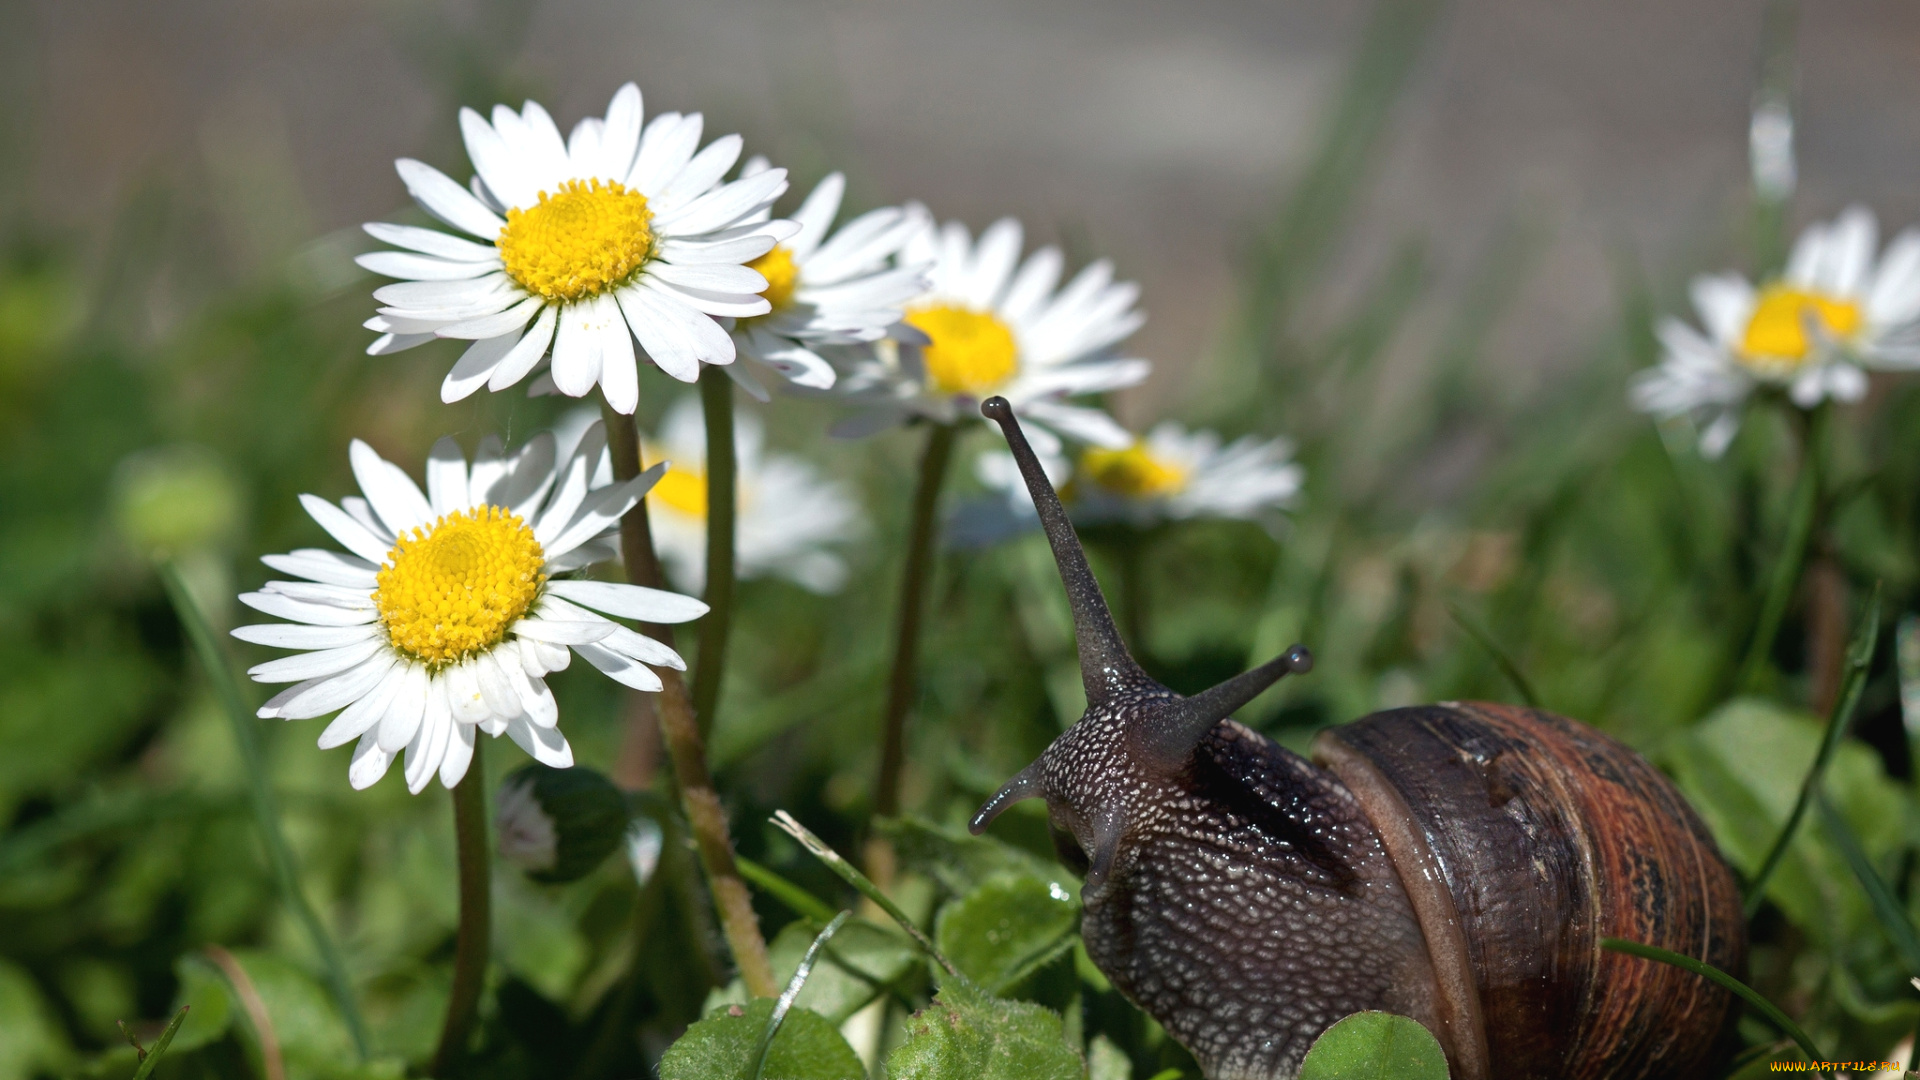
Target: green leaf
[1000, 932]
[857, 964]
[1375, 1046]
[1742, 768]
[722, 1047]
[1106, 1061]
[965, 1035]
[203, 990]
[30, 1040]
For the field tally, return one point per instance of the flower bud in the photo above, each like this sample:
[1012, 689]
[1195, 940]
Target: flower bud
[557, 825]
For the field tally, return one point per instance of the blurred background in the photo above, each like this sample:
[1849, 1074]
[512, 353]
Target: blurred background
[1159, 136]
[1426, 241]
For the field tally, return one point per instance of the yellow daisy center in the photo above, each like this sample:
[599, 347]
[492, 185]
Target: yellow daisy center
[782, 276]
[972, 352]
[580, 241]
[1777, 339]
[454, 588]
[1133, 472]
[682, 491]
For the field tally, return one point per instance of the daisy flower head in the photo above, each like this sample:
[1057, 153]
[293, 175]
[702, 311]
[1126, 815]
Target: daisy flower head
[991, 324]
[1171, 474]
[827, 289]
[1835, 311]
[575, 247]
[447, 608]
[789, 516]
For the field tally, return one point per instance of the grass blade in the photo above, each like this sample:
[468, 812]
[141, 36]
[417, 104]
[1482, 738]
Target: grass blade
[1859, 658]
[1500, 659]
[1713, 974]
[150, 1058]
[266, 811]
[802, 902]
[848, 873]
[1893, 915]
[792, 991]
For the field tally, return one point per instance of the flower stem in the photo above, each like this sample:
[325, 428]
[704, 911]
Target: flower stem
[266, 810]
[476, 916]
[706, 818]
[716, 401]
[1802, 515]
[913, 595]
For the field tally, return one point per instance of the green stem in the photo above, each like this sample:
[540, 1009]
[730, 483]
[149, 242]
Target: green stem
[706, 817]
[266, 810]
[913, 595]
[476, 917]
[864, 885]
[1500, 658]
[1793, 552]
[716, 402]
[1859, 659]
[1132, 552]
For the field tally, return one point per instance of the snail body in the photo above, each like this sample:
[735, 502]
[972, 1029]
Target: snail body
[1455, 863]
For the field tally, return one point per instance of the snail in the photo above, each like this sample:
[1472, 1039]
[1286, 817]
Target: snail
[1456, 863]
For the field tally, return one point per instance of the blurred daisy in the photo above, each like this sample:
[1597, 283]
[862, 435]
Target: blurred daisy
[585, 244]
[825, 291]
[991, 329]
[1810, 332]
[789, 516]
[1170, 475]
[447, 609]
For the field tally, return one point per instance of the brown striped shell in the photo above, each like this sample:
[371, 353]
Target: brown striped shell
[1522, 839]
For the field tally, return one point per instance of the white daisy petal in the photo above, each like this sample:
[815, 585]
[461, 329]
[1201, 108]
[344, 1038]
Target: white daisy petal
[370, 763]
[620, 140]
[621, 669]
[716, 277]
[662, 331]
[545, 745]
[666, 145]
[630, 601]
[463, 694]
[576, 351]
[476, 366]
[429, 744]
[399, 264]
[496, 163]
[351, 597]
[432, 242]
[488, 326]
[523, 356]
[447, 477]
[724, 205]
[619, 373]
[351, 534]
[562, 633]
[402, 718]
[446, 200]
[495, 690]
[358, 718]
[388, 344]
[453, 767]
[535, 699]
[700, 174]
[286, 607]
[331, 567]
[317, 664]
[329, 693]
[816, 213]
[294, 636]
[489, 468]
[389, 490]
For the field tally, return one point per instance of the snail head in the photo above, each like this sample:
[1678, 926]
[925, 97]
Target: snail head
[1136, 737]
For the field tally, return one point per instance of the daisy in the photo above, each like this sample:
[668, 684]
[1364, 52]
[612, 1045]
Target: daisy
[826, 291]
[447, 609]
[788, 519]
[581, 245]
[991, 329]
[1809, 332]
[1171, 474]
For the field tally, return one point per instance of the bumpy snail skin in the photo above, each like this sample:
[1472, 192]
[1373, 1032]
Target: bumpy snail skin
[1457, 863]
